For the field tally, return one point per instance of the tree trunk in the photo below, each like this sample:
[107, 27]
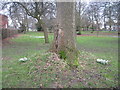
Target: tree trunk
[110, 23]
[80, 18]
[110, 28]
[92, 24]
[118, 23]
[104, 24]
[98, 28]
[44, 30]
[27, 27]
[105, 18]
[45, 34]
[64, 34]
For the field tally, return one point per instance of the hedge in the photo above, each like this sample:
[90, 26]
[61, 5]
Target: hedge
[8, 32]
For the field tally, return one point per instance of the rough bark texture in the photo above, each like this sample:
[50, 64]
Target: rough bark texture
[80, 18]
[45, 30]
[64, 34]
[45, 34]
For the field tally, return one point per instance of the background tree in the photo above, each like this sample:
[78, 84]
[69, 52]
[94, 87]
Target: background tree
[116, 14]
[80, 13]
[109, 16]
[118, 10]
[104, 14]
[18, 16]
[37, 10]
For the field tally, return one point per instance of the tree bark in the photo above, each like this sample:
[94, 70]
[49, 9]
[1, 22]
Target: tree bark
[80, 18]
[45, 34]
[110, 17]
[104, 15]
[110, 23]
[64, 34]
[118, 18]
[44, 30]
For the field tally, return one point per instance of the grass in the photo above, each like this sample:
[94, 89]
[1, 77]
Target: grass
[104, 48]
[101, 33]
[42, 71]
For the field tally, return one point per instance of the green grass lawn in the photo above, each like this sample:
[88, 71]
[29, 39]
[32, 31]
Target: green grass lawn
[42, 71]
[101, 33]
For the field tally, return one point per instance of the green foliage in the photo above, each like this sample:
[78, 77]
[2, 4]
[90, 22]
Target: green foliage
[76, 63]
[92, 27]
[39, 27]
[62, 54]
[79, 32]
[73, 63]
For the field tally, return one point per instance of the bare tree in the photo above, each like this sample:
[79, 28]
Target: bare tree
[17, 14]
[93, 11]
[37, 10]
[109, 16]
[80, 15]
[115, 15]
[78, 19]
[118, 10]
[89, 16]
[104, 14]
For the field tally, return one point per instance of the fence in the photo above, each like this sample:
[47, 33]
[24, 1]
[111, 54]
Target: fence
[8, 32]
